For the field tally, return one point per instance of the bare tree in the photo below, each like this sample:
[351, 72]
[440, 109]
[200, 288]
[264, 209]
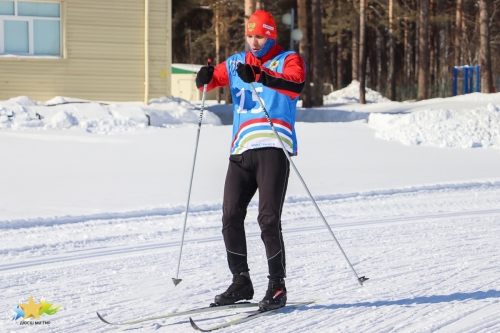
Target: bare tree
[458, 32]
[217, 44]
[342, 62]
[355, 52]
[423, 51]
[485, 57]
[392, 53]
[432, 45]
[319, 53]
[362, 51]
[383, 55]
[304, 50]
[249, 9]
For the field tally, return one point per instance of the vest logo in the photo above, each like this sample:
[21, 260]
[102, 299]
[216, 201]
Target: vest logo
[233, 65]
[34, 310]
[274, 64]
[251, 26]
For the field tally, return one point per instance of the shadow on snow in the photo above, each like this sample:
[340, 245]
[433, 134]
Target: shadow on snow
[477, 295]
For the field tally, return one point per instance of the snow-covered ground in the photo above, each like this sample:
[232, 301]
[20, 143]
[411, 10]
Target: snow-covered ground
[92, 202]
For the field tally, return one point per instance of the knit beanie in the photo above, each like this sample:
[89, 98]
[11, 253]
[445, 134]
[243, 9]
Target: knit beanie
[262, 23]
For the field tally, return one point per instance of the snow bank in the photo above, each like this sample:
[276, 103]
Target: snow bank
[22, 113]
[464, 128]
[350, 94]
[173, 111]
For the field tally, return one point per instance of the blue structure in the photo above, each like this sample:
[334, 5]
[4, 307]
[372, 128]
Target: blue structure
[467, 82]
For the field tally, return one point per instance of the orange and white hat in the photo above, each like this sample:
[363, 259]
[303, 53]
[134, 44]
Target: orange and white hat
[262, 23]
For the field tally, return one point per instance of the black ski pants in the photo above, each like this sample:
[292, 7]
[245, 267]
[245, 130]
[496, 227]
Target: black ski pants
[265, 169]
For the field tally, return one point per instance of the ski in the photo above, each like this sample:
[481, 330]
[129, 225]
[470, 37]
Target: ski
[184, 313]
[251, 316]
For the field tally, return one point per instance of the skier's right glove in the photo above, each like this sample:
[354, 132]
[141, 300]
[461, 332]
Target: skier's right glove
[205, 75]
[248, 73]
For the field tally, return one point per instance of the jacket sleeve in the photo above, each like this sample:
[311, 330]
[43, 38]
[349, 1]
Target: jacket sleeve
[291, 81]
[220, 78]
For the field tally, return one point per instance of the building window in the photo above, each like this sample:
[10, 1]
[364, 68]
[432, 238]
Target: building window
[30, 28]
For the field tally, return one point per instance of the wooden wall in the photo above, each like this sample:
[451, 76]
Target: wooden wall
[103, 55]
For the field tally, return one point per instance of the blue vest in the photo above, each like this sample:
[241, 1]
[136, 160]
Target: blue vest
[251, 129]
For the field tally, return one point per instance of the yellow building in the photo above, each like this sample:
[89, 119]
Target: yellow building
[184, 85]
[105, 50]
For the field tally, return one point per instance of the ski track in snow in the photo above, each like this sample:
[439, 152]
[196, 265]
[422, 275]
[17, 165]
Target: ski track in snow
[431, 256]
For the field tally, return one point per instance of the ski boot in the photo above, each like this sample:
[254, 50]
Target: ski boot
[275, 296]
[240, 289]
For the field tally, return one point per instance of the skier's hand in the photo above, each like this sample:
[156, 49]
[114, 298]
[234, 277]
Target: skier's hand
[205, 74]
[248, 73]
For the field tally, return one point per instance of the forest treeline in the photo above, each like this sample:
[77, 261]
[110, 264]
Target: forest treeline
[405, 49]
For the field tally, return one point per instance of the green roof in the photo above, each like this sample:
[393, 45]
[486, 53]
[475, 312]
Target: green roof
[181, 71]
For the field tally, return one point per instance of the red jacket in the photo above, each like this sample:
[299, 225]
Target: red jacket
[290, 82]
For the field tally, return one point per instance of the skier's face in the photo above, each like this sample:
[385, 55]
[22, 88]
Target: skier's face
[256, 42]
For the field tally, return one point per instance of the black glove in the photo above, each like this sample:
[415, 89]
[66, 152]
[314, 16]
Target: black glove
[247, 72]
[205, 75]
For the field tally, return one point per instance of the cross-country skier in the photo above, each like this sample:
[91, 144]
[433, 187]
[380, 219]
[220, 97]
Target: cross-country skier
[257, 160]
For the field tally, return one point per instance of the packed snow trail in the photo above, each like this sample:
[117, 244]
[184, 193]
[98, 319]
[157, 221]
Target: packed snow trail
[431, 255]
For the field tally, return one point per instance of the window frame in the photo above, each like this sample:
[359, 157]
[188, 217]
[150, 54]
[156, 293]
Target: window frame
[31, 31]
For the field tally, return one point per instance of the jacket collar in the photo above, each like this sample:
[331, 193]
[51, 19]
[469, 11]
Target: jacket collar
[273, 52]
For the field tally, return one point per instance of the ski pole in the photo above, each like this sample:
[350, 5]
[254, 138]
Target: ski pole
[176, 280]
[360, 280]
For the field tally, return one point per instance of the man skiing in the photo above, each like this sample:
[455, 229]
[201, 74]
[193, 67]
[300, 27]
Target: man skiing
[257, 160]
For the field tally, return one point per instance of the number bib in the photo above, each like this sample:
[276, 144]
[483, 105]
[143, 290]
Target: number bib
[251, 129]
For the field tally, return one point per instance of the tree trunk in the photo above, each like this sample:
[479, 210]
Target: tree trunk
[413, 55]
[458, 32]
[392, 53]
[217, 47]
[304, 51]
[362, 51]
[406, 45]
[448, 65]
[432, 44]
[372, 50]
[332, 63]
[249, 9]
[328, 71]
[355, 53]
[485, 57]
[437, 56]
[341, 64]
[382, 85]
[423, 51]
[318, 62]
[345, 62]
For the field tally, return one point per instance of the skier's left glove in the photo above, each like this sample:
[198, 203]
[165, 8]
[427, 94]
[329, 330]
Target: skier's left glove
[248, 73]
